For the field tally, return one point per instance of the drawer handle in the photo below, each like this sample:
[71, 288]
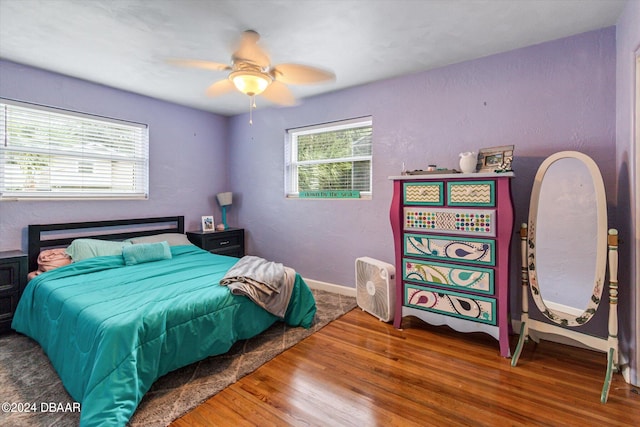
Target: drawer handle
[224, 242]
[471, 191]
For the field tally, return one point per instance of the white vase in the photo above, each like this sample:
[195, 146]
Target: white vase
[468, 161]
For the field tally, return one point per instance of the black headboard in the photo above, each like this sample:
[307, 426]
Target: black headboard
[43, 236]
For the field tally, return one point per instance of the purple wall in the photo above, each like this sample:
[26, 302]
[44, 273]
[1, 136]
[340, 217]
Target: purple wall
[628, 45]
[551, 97]
[187, 150]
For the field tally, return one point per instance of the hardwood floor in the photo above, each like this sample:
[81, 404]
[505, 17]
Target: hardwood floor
[358, 371]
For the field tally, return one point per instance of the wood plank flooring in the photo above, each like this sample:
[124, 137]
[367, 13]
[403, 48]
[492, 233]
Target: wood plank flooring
[358, 371]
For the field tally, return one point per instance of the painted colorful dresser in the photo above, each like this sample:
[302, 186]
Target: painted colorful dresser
[452, 234]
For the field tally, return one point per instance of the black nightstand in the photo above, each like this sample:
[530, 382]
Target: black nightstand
[228, 242]
[13, 279]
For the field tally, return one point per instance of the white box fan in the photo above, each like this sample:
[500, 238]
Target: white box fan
[375, 287]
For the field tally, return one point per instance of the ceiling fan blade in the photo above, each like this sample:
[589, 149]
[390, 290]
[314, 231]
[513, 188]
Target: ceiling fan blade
[249, 51]
[196, 63]
[220, 88]
[298, 74]
[279, 93]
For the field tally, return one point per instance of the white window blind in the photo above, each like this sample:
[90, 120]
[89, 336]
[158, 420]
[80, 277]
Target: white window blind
[47, 153]
[330, 157]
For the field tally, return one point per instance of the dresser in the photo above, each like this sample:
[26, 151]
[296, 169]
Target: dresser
[13, 279]
[452, 234]
[227, 242]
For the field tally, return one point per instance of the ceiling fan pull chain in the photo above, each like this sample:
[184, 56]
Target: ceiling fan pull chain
[252, 105]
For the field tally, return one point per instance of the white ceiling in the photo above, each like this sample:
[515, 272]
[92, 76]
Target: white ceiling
[125, 43]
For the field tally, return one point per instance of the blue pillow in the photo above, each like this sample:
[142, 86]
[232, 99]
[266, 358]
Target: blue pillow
[146, 252]
[81, 249]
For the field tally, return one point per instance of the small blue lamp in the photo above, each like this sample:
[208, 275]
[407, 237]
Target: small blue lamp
[224, 200]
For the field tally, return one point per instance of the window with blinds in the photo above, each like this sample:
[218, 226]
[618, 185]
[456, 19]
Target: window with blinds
[48, 153]
[330, 159]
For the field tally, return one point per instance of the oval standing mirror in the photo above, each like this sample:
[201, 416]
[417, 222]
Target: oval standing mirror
[567, 242]
[564, 257]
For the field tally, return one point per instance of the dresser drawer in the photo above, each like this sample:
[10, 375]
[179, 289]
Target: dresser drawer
[460, 249]
[8, 304]
[13, 279]
[10, 271]
[471, 193]
[424, 193]
[469, 307]
[234, 251]
[215, 243]
[479, 222]
[462, 277]
[228, 242]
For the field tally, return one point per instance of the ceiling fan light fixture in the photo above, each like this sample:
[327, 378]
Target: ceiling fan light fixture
[250, 82]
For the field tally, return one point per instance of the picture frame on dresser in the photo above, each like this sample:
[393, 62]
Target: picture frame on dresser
[452, 237]
[494, 159]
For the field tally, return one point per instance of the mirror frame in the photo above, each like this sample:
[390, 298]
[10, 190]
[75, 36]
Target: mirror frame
[565, 319]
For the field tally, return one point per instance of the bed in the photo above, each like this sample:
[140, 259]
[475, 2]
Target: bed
[111, 328]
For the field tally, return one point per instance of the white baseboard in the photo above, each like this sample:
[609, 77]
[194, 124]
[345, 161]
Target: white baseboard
[563, 308]
[625, 370]
[330, 287]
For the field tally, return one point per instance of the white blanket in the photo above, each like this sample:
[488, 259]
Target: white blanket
[269, 284]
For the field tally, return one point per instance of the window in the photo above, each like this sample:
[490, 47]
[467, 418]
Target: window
[331, 160]
[48, 153]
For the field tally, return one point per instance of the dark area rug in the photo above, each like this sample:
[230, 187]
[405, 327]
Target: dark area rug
[26, 375]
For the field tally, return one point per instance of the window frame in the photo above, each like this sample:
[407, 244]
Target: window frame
[131, 152]
[291, 190]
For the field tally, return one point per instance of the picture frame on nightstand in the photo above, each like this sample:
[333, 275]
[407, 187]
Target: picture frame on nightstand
[207, 223]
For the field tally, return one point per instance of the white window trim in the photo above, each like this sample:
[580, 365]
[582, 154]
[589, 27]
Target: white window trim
[290, 177]
[142, 158]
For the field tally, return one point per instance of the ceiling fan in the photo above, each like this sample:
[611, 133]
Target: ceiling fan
[252, 74]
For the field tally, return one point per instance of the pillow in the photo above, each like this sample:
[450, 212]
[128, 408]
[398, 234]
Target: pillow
[146, 252]
[52, 258]
[81, 249]
[49, 259]
[173, 239]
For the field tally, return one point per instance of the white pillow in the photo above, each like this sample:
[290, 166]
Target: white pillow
[173, 239]
[81, 249]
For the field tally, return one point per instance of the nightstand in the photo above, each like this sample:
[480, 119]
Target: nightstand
[13, 279]
[227, 242]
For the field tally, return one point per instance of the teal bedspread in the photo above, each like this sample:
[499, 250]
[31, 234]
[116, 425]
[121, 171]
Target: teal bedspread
[111, 330]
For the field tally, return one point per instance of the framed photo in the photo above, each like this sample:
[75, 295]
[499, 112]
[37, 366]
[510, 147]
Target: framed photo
[207, 223]
[495, 159]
